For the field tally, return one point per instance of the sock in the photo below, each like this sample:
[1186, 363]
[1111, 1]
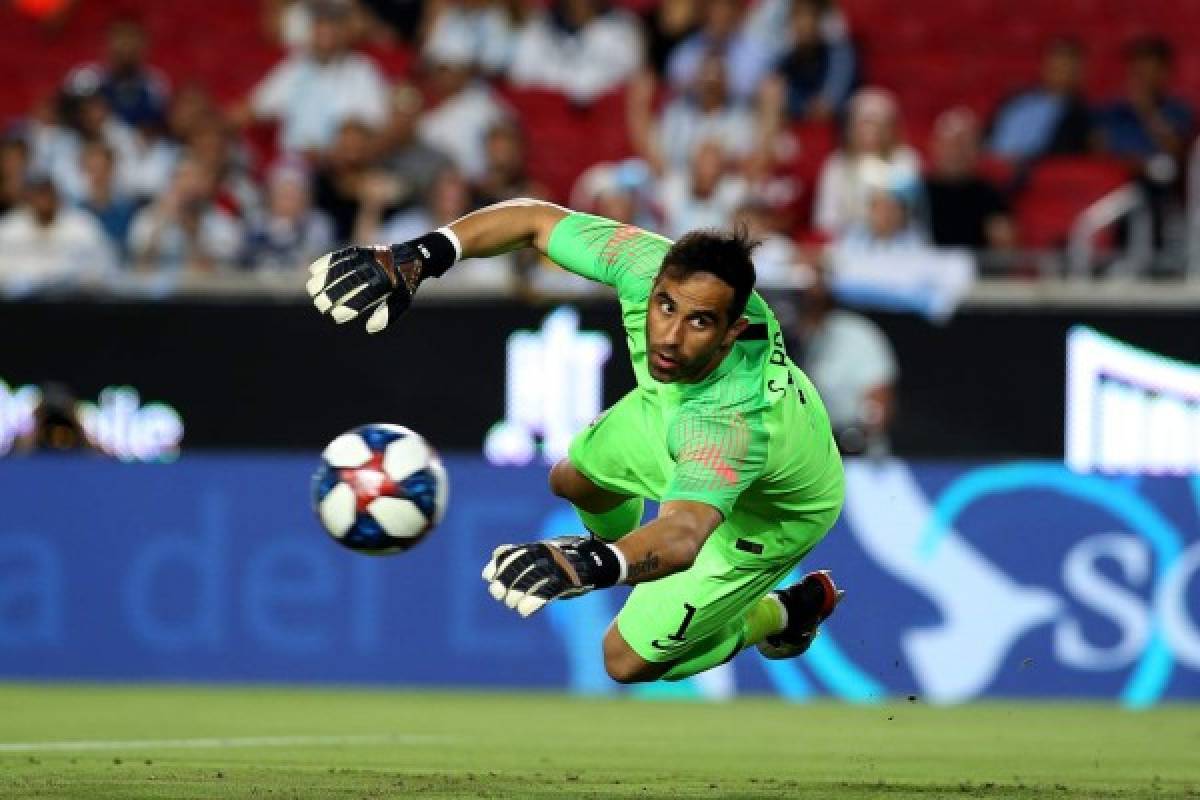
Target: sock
[763, 619]
[614, 523]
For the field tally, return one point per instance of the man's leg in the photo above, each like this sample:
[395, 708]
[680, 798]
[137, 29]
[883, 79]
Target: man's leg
[607, 514]
[625, 666]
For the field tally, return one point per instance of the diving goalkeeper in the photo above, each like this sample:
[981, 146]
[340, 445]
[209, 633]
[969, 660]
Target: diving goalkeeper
[723, 430]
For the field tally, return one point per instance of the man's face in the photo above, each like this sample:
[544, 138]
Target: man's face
[688, 329]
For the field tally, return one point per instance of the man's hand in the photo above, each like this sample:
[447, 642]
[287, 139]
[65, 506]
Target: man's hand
[355, 280]
[527, 576]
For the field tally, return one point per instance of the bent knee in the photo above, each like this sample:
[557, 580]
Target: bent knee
[623, 665]
[566, 481]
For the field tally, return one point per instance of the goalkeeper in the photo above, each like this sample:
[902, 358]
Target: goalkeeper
[723, 430]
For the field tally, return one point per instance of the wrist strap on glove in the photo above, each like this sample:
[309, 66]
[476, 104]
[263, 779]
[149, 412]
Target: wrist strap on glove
[438, 250]
[603, 565]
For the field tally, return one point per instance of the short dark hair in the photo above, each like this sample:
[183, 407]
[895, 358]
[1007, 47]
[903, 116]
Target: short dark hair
[725, 254]
[1150, 47]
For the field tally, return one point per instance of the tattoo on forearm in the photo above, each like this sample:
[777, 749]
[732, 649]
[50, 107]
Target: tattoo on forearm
[640, 569]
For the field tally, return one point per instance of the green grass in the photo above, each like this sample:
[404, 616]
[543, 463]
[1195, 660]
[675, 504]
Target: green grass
[443, 745]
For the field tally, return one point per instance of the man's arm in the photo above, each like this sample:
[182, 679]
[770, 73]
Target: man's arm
[358, 281]
[527, 576]
[670, 543]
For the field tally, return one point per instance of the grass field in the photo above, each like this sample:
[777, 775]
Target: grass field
[186, 742]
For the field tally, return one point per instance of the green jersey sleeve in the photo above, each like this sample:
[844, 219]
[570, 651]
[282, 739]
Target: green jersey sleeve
[718, 454]
[622, 256]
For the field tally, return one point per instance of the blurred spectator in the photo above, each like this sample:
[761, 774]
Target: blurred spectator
[191, 107]
[705, 195]
[448, 199]
[581, 48]
[413, 162]
[965, 209]
[87, 118]
[214, 147]
[1052, 119]
[664, 26]
[704, 112]
[349, 179]
[814, 77]
[183, 229]
[291, 234]
[1149, 127]
[103, 198]
[461, 111]
[893, 197]
[314, 90]
[747, 57]
[46, 243]
[14, 167]
[778, 262]
[1147, 122]
[853, 366]
[480, 31]
[872, 136]
[136, 93]
[621, 191]
[504, 176]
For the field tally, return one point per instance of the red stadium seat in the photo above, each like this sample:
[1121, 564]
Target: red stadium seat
[1058, 190]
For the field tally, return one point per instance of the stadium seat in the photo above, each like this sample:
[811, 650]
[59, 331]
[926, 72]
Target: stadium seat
[1058, 190]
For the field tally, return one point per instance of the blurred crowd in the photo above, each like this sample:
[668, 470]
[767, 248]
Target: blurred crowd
[122, 171]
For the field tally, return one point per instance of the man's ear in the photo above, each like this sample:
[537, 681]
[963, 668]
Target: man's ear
[735, 330]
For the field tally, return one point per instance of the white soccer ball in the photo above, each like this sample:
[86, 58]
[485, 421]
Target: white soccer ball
[380, 489]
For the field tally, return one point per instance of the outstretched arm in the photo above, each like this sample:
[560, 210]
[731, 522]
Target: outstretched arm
[358, 281]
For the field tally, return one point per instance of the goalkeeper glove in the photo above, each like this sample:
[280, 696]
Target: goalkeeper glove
[358, 280]
[527, 576]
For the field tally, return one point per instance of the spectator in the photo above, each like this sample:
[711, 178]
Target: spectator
[578, 47]
[313, 91]
[812, 80]
[1147, 122]
[449, 198]
[191, 107]
[184, 229]
[621, 191]
[214, 147]
[778, 262]
[462, 111]
[872, 136]
[893, 197]
[747, 57]
[291, 234]
[350, 180]
[1149, 127]
[965, 209]
[45, 244]
[136, 92]
[413, 162]
[480, 31]
[705, 195]
[665, 25]
[1052, 119]
[504, 177]
[705, 112]
[88, 119]
[14, 167]
[853, 366]
[103, 198]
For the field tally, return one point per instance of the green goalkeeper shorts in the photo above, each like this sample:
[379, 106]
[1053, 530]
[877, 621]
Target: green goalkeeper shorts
[748, 555]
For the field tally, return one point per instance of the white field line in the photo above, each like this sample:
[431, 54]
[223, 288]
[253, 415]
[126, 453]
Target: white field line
[217, 743]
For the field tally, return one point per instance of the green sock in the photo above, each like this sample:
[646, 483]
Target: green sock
[616, 522]
[763, 619]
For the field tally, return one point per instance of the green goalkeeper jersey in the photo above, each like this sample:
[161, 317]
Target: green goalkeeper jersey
[751, 439]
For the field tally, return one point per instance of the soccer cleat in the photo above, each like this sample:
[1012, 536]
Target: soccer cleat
[807, 603]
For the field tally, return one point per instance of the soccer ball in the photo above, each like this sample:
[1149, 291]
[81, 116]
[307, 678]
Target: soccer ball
[380, 489]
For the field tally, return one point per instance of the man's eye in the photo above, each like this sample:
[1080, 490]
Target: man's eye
[699, 324]
[664, 307]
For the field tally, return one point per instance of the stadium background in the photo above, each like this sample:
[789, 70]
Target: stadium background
[980, 566]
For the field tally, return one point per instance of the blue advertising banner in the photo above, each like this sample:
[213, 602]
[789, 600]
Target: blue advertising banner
[964, 581]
